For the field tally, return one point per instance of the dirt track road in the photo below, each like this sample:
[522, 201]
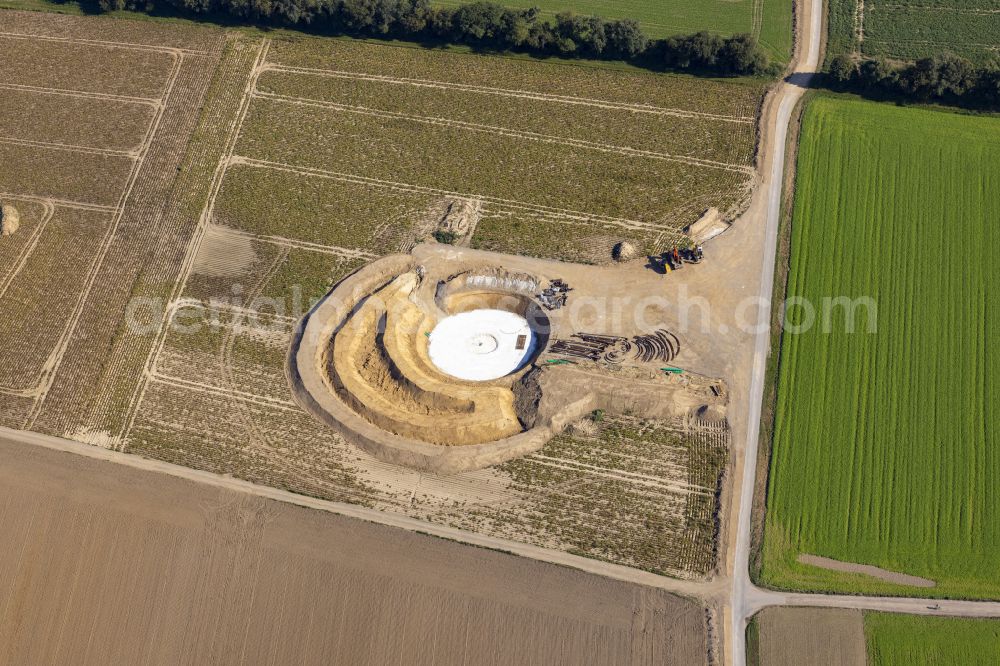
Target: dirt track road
[775, 130]
[755, 599]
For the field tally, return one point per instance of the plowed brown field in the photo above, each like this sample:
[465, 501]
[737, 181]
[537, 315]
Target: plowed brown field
[120, 566]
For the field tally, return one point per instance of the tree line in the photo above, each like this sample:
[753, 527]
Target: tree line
[487, 25]
[943, 78]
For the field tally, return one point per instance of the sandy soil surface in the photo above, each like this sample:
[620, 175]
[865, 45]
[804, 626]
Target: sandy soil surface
[118, 565]
[812, 636]
[866, 569]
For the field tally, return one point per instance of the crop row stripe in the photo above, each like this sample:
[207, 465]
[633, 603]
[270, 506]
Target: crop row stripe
[88, 150]
[150, 101]
[505, 92]
[168, 50]
[200, 387]
[295, 244]
[64, 203]
[508, 132]
[406, 187]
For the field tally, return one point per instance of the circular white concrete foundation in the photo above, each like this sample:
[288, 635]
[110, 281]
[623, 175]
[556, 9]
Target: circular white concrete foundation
[481, 345]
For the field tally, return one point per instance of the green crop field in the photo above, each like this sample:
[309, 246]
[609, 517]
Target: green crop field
[910, 640]
[769, 20]
[885, 447]
[911, 29]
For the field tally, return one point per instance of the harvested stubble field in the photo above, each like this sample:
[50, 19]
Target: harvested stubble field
[199, 574]
[267, 275]
[199, 220]
[62, 174]
[592, 154]
[15, 249]
[885, 442]
[656, 498]
[913, 640]
[40, 292]
[85, 122]
[911, 29]
[85, 67]
[228, 353]
[323, 211]
[93, 130]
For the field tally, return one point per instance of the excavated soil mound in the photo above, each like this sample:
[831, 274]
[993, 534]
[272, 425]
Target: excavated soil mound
[10, 220]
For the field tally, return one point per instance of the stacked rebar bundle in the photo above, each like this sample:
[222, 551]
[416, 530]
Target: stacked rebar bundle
[584, 345]
[660, 346]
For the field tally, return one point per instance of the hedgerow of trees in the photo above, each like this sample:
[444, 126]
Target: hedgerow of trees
[943, 78]
[487, 25]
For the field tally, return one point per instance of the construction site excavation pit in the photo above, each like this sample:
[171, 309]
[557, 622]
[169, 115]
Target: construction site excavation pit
[448, 360]
[481, 345]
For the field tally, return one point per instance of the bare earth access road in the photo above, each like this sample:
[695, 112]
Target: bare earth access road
[733, 590]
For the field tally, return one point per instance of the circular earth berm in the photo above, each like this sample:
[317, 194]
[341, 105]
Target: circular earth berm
[421, 365]
[481, 345]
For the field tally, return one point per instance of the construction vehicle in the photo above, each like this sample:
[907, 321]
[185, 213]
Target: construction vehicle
[675, 258]
[693, 255]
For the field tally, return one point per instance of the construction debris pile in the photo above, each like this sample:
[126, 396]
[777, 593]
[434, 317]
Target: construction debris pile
[554, 296]
[458, 221]
[661, 347]
[623, 252]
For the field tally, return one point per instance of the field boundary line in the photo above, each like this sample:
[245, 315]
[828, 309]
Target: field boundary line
[60, 203]
[66, 92]
[405, 187]
[19, 393]
[283, 241]
[70, 148]
[508, 132]
[135, 46]
[617, 475]
[104, 246]
[506, 92]
[29, 248]
[242, 396]
[199, 234]
[219, 306]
